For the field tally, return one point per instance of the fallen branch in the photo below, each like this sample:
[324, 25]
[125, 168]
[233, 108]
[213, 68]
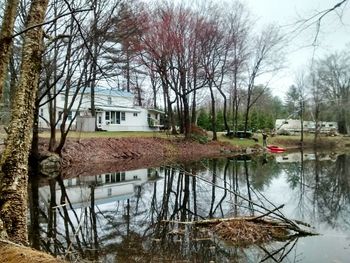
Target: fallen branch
[293, 225]
[268, 213]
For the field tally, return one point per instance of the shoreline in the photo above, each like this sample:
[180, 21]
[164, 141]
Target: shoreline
[100, 155]
[89, 156]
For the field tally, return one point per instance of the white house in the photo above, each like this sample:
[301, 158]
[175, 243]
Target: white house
[115, 111]
[294, 126]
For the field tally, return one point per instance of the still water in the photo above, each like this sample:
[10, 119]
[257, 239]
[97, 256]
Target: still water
[119, 216]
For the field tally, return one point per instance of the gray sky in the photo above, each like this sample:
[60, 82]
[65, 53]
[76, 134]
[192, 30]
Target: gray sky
[334, 32]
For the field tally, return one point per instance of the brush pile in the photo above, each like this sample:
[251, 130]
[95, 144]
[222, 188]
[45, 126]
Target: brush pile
[244, 232]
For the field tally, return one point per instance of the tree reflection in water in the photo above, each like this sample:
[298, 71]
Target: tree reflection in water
[99, 218]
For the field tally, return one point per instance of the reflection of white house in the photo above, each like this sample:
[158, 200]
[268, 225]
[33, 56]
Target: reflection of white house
[292, 126]
[115, 111]
[106, 188]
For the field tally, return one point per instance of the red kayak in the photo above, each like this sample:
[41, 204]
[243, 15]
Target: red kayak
[275, 149]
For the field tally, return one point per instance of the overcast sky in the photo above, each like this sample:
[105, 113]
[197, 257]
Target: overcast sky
[334, 33]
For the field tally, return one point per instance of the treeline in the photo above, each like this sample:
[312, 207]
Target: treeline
[261, 116]
[207, 55]
[322, 91]
[180, 58]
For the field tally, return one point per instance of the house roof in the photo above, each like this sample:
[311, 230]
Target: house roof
[116, 108]
[111, 92]
[100, 90]
[156, 110]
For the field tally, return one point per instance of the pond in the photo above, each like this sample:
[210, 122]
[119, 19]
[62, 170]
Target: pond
[133, 216]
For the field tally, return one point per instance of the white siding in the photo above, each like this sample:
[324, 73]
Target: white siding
[131, 123]
[102, 102]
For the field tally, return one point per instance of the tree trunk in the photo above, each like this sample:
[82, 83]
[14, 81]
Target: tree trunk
[139, 93]
[246, 116]
[93, 68]
[302, 124]
[185, 104]
[213, 113]
[154, 89]
[170, 119]
[6, 32]
[52, 117]
[194, 108]
[14, 160]
[187, 119]
[317, 116]
[227, 127]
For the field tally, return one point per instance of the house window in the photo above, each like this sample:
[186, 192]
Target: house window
[117, 177]
[123, 116]
[109, 100]
[99, 119]
[330, 125]
[108, 178]
[113, 178]
[70, 116]
[113, 117]
[41, 112]
[123, 176]
[117, 117]
[135, 114]
[323, 125]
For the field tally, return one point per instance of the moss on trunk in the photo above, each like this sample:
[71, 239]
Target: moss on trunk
[8, 22]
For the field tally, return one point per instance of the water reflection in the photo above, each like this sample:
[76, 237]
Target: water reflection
[132, 216]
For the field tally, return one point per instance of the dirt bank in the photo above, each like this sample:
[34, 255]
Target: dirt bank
[88, 156]
[12, 253]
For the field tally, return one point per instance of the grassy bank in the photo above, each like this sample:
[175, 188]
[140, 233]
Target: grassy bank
[283, 141]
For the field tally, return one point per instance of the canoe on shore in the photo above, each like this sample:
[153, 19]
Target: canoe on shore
[275, 149]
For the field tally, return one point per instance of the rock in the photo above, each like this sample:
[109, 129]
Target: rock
[51, 165]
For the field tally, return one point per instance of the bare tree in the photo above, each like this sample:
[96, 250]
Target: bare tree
[300, 88]
[14, 160]
[266, 57]
[333, 75]
[316, 93]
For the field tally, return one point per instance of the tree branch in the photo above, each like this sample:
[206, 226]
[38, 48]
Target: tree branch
[50, 21]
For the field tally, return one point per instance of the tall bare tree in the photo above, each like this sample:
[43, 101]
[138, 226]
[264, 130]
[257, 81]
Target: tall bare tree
[14, 160]
[334, 76]
[266, 57]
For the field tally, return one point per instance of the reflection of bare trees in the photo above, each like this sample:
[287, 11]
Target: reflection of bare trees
[278, 254]
[145, 225]
[323, 187]
[333, 192]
